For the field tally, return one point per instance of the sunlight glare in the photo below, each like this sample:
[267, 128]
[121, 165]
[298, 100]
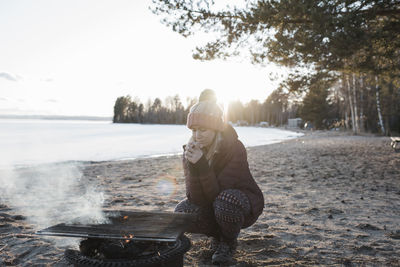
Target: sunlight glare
[166, 186]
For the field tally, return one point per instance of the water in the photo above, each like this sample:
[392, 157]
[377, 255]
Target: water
[26, 142]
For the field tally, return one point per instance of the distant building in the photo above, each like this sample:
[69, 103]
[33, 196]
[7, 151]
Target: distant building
[308, 126]
[294, 123]
[242, 123]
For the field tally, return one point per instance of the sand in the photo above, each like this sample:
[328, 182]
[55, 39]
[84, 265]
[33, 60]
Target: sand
[331, 199]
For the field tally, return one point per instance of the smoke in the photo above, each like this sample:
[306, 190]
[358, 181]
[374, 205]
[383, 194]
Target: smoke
[49, 194]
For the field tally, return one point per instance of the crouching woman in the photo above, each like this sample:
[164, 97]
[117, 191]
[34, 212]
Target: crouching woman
[219, 186]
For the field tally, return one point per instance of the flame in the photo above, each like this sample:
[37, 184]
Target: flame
[125, 217]
[128, 236]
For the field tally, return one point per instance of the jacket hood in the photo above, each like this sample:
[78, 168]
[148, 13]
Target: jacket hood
[229, 137]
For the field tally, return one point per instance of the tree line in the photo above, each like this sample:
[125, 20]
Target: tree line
[274, 110]
[359, 102]
[326, 105]
[344, 54]
[172, 111]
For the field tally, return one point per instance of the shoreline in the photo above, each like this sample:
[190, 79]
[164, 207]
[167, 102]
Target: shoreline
[108, 143]
[167, 154]
[330, 199]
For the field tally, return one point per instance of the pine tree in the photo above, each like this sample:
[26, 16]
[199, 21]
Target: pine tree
[315, 107]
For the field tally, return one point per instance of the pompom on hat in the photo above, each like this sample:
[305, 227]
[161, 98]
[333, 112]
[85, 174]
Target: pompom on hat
[206, 113]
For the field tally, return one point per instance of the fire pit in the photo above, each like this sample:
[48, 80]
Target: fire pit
[131, 238]
[111, 253]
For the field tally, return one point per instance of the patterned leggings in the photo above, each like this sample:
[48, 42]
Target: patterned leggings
[224, 218]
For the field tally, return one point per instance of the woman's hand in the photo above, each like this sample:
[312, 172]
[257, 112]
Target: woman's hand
[193, 152]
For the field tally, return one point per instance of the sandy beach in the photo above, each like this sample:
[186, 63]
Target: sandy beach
[331, 199]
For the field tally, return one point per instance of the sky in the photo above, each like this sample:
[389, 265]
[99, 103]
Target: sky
[75, 57]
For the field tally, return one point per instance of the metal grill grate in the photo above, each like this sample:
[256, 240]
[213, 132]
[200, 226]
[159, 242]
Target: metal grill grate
[129, 225]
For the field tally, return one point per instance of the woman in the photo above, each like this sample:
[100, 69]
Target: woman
[219, 186]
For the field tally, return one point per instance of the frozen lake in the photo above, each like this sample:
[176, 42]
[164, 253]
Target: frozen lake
[25, 142]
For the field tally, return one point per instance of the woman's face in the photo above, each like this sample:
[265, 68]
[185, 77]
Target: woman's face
[204, 137]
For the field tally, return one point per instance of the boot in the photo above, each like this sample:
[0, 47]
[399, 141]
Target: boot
[224, 252]
[214, 243]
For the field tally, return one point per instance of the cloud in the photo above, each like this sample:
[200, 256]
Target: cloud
[4, 111]
[3, 99]
[52, 100]
[10, 77]
[47, 80]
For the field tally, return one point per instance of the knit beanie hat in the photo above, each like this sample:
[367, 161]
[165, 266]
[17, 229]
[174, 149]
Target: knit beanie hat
[206, 113]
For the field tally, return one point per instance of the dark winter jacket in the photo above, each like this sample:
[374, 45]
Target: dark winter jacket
[229, 170]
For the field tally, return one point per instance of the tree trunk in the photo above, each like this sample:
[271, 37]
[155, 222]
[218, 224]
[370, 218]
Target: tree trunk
[353, 126]
[378, 106]
[362, 103]
[356, 118]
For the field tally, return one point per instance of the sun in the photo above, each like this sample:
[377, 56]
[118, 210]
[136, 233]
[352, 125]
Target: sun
[223, 100]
